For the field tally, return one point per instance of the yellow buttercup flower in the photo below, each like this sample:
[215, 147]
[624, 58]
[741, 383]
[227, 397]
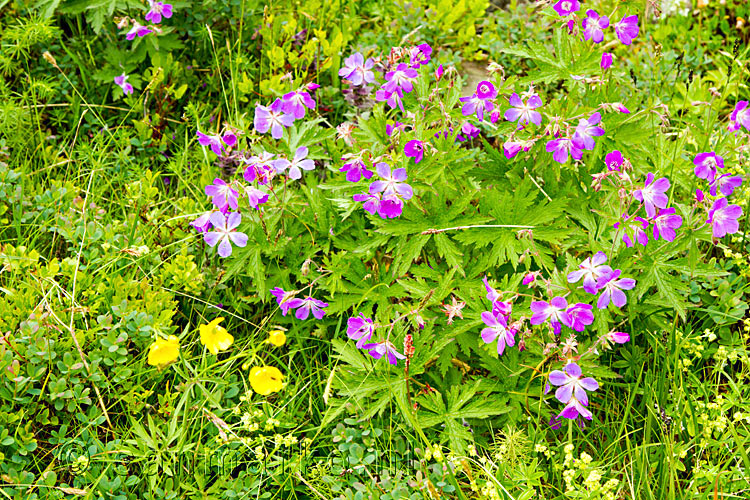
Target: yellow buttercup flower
[277, 338]
[214, 337]
[266, 379]
[164, 351]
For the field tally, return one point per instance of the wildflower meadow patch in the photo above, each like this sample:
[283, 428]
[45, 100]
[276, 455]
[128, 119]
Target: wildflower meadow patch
[328, 249]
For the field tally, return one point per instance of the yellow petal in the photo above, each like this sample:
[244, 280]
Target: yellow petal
[266, 379]
[214, 337]
[277, 338]
[164, 351]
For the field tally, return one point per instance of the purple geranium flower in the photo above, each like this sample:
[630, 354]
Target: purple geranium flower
[158, 9]
[613, 287]
[392, 183]
[524, 113]
[497, 329]
[553, 310]
[586, 130]
[224, 232]
[137, 30]
[740, 116]
[707, 165]
[591, 270]
[203, 223]
[723, 217]
[571, 385]
[360, 329]
[726, 184]
[397, 126]
[614, 161]
[561, 148]
[216, 142]
[285, 300]
[272, 117]
[617, 337]
[222, 195]
[255, 196]
[355, 169]
[414, 149]
[294, 103]
[259, 167]
[469, 130]
[593, 26]
[665, 224]
[653, 194]
[121, 81]
[420, 55]
[393, 99]
[566, 7]
[634, 229]
[298, 162]
[481, 101]
[310, 304]
[580, 316]
[606, 60]
[627, 29]
[357, 70]
[380, 349]
[400, 79]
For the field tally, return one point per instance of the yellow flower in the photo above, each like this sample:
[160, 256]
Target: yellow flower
[164, 351]
[214, 337]
[277, 338]
[266, 379]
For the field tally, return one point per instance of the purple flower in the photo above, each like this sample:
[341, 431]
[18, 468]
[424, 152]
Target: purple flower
[138, 30]
[617, 337]
[586, 131]
[224, 232]
[259, 167]
[553, 310]
[294, 103]
[298, 162]
[573, 409]
[216, 142]
[634, 229]
[380, 349]
[614, 161]
[392, 184]
[420, 55]
[255, 196]
[158, 9]
[439, 72]
[400, 79]
[627, 29]
[470, 130]
[571, 385]
[740, 116]
[492, 294]
[613, 287]
[497, 329]
[272, 117]
[580, 316]
[414, 149]
[620, 107]
[524, 113]
[387, 207]
[355, 169]
[360, 329]
[530, 277]
[724, 217]
[357, 70]
[653, 194]
[561, 148]
[121, 81]
[726, 183]
[390, 129]
[591, 270]
[511, 149]
[606, 60]
[285, 300]
[393, 99]
[707, 165]
[310, 304]
[593, 26]
[481, 101]
[203, 223]
[222, 195]
[665, 224]
[566, 7]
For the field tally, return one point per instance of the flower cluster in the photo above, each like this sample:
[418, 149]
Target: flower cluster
[282, 112]
[594, 24]
[287, 301]
[386, 196]
[722, 216]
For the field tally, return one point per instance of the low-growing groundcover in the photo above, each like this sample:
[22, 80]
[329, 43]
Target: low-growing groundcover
[331, 249]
